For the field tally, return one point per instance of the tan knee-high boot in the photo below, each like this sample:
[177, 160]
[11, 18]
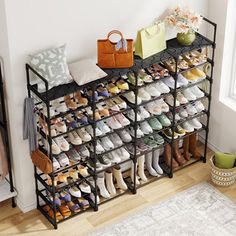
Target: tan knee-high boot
[177, 155]
[167, 157]
[193, 146]
[187, 155]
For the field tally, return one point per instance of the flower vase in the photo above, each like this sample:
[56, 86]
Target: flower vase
[186, 39]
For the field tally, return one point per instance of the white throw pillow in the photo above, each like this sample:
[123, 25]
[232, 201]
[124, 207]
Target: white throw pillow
[52, 65]
[85, 71]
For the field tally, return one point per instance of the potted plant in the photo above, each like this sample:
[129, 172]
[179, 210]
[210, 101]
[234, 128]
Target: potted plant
[186, 22]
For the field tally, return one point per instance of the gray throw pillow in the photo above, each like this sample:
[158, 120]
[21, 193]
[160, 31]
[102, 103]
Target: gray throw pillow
[52, 65]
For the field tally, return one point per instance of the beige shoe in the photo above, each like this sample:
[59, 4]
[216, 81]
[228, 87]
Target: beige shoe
[119, 178]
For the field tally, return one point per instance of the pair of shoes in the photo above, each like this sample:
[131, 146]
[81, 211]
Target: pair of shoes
[131, 98]
[139, 132]
[106, 185]
[152, 163]
[193, 93]
[195, 57]
[59, 145]
[157, 107]
[118, 155]
[118, 121]
[190, 125]
[124, 136]
[157, 71]
[194, 75]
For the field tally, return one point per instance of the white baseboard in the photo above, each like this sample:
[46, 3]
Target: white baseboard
[210, 145]
[24, 208]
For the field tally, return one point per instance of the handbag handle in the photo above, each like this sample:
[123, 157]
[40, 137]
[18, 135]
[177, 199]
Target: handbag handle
[114, 32]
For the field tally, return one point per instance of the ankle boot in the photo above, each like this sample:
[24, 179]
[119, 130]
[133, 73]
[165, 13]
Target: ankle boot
[101, 185]
[155, 162]
[148, 161]
[141, 173]
[193, 146]
[109, 182]
[119, 178]
[177, 155]
[187, 154]
[167, 157]
[132, 174]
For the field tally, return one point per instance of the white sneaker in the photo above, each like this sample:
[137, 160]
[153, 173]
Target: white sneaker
[107, 144]
[113, 156]
[181, 98]
[170, 100]
[98, 132]
[161, 87]
[62, 144]
[116, 140]
[113, 123]
[59, 107]
[191, 109]
[182, 81]
[125, 136]
[131, 97]
[199, 106]
[188, 127]
[170, 82]
[195, 123]
[154, 108]
[131, 115]
[146, 128]
[164, 106]
[84, 135]
[123, 154]
[74, 138]
[139, 132]
[150, 89]
[63, 160]
[143, 113]
[55, 164]
[189, 95]
[197, 92]
[99, 148]
[183, 113]
[103, 127]
[143, 94]
[122, 119]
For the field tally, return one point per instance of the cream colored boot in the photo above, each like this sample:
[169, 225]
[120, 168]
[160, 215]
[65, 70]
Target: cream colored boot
[102, 188]
[119, 178]
[109, 182]
[141, 173]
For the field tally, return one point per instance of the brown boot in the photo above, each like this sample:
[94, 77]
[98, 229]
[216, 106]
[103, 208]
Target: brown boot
[167, 156]
[186, 153]
[193, 146]
[177, 155]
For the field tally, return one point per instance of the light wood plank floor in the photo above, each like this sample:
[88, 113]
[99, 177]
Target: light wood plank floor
[13, 222]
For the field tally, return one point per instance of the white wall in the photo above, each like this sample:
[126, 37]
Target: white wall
[34, 25]
[222, 125]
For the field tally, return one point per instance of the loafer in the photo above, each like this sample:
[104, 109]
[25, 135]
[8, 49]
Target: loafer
[164, 120]
[155, 124]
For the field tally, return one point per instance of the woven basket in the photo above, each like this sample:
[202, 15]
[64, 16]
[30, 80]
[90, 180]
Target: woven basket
[222, 177]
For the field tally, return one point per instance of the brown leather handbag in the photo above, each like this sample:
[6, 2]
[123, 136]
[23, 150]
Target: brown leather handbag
[111, 57]
[41, 161]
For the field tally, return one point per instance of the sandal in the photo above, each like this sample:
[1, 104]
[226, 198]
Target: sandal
[170, 65]
[70, 122]
[103, 111]
[74, 174]
[49, 180]
[81, 118]
[132, 79]
[65, 211]
[89, 94]
[65, 196]
[112, 106]
[59, 217]
[82, 100]
[73, 207]
[161, 70]
[70, 103]
[59, 125]
[62, 178]
[112, 88]
[122, 85]
[144, 76]
[83, 202]
[120, 102]
[102, 91]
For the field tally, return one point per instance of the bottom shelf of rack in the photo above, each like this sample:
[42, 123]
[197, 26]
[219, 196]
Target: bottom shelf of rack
[5, 191]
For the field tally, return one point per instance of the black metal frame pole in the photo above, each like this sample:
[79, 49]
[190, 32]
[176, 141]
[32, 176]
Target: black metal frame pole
[6, 137]
[94, 159]
[173, 114]
[210, 89]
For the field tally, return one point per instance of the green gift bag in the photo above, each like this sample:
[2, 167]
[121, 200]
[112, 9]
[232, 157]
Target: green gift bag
[150, 40]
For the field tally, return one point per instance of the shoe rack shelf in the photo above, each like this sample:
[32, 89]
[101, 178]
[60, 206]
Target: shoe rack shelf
[173, 50]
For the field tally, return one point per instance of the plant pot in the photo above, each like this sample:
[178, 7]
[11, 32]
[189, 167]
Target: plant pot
[186, 39]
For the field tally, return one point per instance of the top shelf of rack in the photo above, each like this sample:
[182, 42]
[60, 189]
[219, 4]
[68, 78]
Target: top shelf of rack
[173, 50]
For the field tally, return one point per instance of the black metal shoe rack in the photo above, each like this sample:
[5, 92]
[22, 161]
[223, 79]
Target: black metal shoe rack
[5, 136]
[174, 50]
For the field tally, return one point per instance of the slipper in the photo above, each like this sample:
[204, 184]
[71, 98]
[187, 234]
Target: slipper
[73, 207]
[112, 88]
[121, 84]
[59, 125]
[161, 70]
[69, 103]
[70, 122]
[102, 91]
[81, 118]
[62, 178]
[82, 100]
[83, 202]
[132, 79]
[74, 175]
[65, 211]
[89, 94]
[59, 217]
[144, 76]
[65, 196]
